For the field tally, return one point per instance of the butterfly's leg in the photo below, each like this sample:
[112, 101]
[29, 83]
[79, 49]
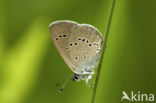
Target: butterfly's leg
[89, 84]
[93, 77]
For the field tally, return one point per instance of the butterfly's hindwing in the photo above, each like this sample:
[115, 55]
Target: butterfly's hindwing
[86, 46]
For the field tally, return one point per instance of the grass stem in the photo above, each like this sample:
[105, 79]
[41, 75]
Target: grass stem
[103, 51]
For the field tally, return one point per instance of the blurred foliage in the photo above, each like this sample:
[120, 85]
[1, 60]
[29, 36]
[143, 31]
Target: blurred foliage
[30, 65]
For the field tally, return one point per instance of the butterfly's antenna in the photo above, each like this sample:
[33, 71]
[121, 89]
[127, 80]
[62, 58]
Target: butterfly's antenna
[69, 76]
[61, 89]
[67, 79]
[57, 84]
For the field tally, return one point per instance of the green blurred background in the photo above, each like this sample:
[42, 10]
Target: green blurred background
[30, 65]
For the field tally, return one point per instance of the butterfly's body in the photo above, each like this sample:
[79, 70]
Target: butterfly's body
[79, 45]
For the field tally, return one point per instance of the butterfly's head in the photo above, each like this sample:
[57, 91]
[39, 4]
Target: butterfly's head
[75, 77]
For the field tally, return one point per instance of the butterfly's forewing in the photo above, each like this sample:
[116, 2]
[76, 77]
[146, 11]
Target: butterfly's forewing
[59, 31]
[85, 48]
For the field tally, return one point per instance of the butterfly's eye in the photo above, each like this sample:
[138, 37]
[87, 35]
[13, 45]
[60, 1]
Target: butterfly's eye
[76, 77]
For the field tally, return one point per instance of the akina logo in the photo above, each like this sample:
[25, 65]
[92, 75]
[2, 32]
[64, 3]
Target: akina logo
[137, 96]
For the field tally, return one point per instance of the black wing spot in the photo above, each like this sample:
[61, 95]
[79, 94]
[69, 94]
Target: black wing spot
[64, 35]
[79, 39]
[76, 57]
[90, 44]
[70, 44]
[60, 36]
[75, 43]
[67, 48]
[98, 49]
[87, 41]
[56, 38]
[84, 57]
[83, 40]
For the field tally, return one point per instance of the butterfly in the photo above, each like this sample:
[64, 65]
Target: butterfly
[79, 45]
